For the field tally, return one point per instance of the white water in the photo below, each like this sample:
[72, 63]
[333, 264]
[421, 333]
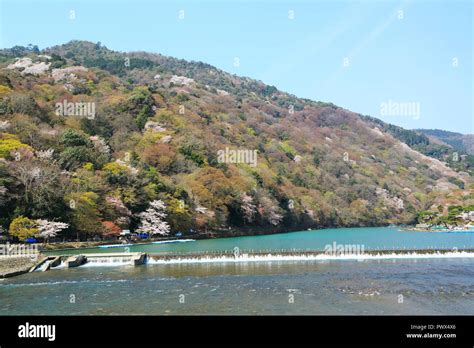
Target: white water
[123, 261]
[43, 266]
[108, 261]
[320, 257]
[102, 262]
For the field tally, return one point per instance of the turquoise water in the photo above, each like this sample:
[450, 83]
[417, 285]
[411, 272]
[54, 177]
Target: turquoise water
[435, 286]
[370, 238]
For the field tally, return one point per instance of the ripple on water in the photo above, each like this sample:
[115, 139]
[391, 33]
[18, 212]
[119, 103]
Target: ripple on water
[428, 287]
[65, 282]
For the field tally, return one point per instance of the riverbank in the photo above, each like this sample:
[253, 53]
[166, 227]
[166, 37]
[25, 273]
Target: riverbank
[11, 266]
[444, 230]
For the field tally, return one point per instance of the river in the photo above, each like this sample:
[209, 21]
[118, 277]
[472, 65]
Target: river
[413, 285]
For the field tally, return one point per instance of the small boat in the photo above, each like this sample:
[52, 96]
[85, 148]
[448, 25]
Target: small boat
[115, 246]
[173, 241]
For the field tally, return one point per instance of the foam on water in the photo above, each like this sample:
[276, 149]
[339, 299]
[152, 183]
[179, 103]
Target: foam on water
[319, 257]
[43, 266]
[66, 282]
[102, 262]
[106, 264]
[109, 261]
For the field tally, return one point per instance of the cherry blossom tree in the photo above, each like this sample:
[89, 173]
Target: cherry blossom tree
[100, 144]
[152, 219]
[45, 155]
[50, 229]
[248, 208]
[269, 210]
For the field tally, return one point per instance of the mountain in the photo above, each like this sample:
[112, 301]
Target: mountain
[91, 136]
[463, 143]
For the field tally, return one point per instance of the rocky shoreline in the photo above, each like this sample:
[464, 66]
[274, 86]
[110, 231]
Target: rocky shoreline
[14, 265]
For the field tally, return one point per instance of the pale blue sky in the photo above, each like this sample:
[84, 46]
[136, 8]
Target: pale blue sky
[402, 60]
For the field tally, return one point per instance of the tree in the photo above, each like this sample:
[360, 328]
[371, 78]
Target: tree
[9, 144]
[248, 208]
[116, 211]
[443, 220]
[50, 229]
[72, 137]
[23, 228]
[160, 156]
[111, 229]
[152, 220]
[73, 157]
[426, 216]
[85, 217]
[140, 104]
[270, 211]
[38, 184]
[179, 216]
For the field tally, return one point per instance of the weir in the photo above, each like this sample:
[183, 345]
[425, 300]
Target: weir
[140, 258]
[305, 255]
[297, 252]
[104, 259]
[46, 263]
[75, 261]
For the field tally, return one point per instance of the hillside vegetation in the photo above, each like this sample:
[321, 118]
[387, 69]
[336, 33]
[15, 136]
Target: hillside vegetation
[463, 143]
[90, 137]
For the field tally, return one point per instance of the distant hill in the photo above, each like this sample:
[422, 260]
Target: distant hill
[461, 142]
[155, 127]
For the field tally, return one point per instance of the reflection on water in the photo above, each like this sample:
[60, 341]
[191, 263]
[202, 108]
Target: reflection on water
[434, 286]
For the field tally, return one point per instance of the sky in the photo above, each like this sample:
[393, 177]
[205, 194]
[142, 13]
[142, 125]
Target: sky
[409, 63]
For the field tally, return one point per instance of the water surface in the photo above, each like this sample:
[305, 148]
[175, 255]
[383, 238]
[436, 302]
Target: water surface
[428, 286]
[435, 286]
[370, 237]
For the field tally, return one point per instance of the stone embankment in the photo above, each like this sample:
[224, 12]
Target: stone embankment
[12, 265]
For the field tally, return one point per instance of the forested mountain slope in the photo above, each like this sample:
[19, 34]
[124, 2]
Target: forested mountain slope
[90, 136]
[463, 143]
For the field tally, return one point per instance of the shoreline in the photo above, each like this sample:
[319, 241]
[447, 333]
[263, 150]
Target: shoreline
[210, 236]
[217, 234]
[444, 230]
[11, 266]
